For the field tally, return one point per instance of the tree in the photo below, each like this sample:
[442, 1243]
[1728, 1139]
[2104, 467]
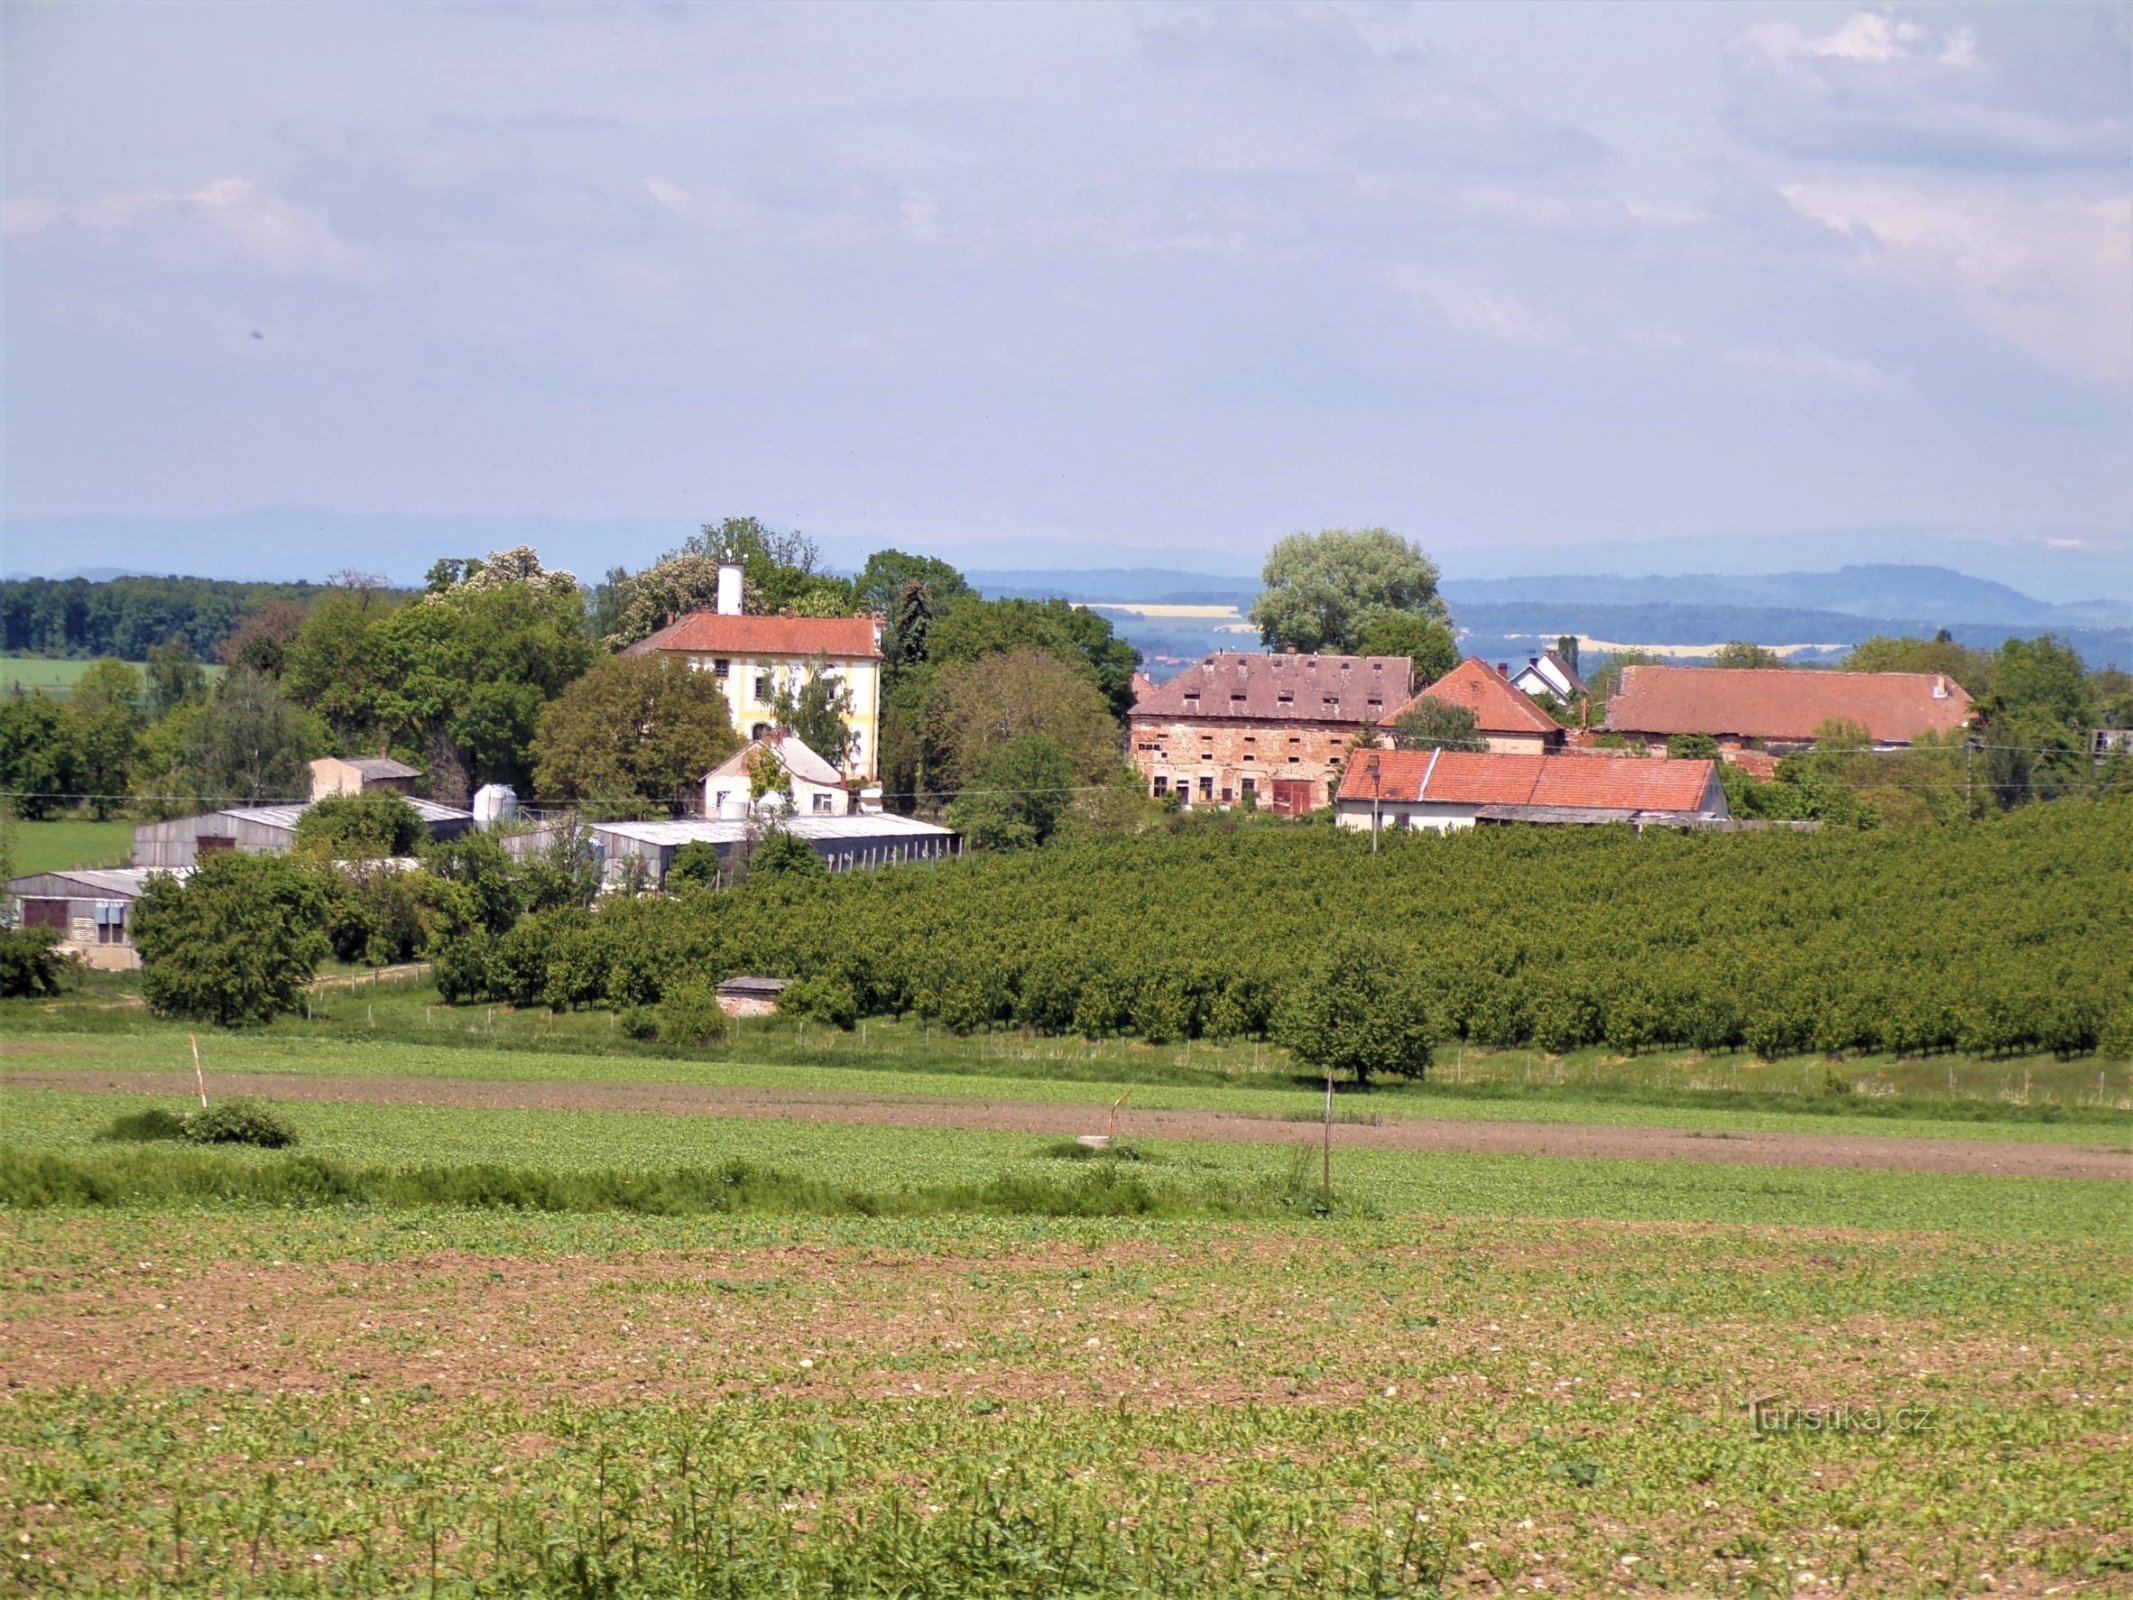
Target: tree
[695, 866]
[174, 675]
[235, 943]
[1436, 725]
[818, 713]
[1566, 650]
[1361, 1009]
[40, 754]
[360, 827]
[969, 629]
[784, 855]
[107, 731]
[1970, 668]
[978, 707]
[780, 571]
[889, 573]
[31, 965]
[1692, 747]
[1739, 653]
[1323, 589]
[1019, 794]
[634, 732]
[262, 639]
[1426, 641]
[249, 743]
[907, 640]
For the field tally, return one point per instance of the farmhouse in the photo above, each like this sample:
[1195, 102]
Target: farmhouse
[1262, 729]
[1508, 721]
[754, 657]
[1443, 790]
[92, 907]
[1783, 708]
[1547, 673]
[800, 781]
[639, 854]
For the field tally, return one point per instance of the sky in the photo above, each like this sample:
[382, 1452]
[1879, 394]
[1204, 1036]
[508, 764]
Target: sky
[1032, 282]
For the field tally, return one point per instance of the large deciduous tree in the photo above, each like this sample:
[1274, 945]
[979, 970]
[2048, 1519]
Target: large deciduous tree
[1436, 725]
[40, 754]
[1324, 589]
[1426, 641]
[978, 707]
[248, 742]
[233, 944]
[1018, 796]
[635, 732]
[104, 708]
[1361, 1009]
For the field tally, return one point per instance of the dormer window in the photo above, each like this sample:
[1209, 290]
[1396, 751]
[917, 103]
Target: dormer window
[1286, 697]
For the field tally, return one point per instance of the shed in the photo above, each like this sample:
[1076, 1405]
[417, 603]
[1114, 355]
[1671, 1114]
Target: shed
[92, 907]
[265, 829]
[751, 997]
[643, 851]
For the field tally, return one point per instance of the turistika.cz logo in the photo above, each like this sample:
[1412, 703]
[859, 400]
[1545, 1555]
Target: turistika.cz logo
[1769, 1414]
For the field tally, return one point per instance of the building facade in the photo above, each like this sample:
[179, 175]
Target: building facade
[808, 786]
[90, 907]
[755, 658]
[1262, 729]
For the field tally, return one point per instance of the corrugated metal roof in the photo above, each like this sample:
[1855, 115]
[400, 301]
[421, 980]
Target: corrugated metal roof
[122, 883]
[731, 830]
[285, 816]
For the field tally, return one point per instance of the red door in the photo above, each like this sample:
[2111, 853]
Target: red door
[45, 914]
[1293, 796]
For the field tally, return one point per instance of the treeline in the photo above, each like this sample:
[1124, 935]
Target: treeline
[128, 617]
[2011, 935]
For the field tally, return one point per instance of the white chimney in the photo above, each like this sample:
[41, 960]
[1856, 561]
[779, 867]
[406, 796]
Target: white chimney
[1940, 686]
[729, 589]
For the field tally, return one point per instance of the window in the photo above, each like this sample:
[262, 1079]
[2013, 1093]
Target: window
[1162, 786]
[758, 730]
[1227, 797]
[1293, 760]
[722, 668]
[1251, 785]
[763, 693]
[1236, 699]
[825, 805]
[1249, 756]
[1207, 788]
[1207, 755]
[1286, 698]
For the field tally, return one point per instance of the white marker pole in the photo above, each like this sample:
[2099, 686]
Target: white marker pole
[199, 1077]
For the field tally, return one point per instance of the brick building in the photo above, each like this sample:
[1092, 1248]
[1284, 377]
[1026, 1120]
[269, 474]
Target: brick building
[1270, 727]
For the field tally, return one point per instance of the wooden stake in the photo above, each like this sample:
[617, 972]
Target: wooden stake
[199, 1077]
[1325, 1177]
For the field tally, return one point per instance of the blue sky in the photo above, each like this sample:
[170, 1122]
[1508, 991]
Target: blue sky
[1026, 281]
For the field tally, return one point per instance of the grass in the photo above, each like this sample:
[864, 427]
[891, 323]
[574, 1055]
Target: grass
[54, 846]
[57, 675]
[859, 1157]
[412, 1036]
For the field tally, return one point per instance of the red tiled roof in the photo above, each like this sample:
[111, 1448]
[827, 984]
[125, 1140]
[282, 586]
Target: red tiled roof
[1497, 707]
[1355, 689]
[708, 633]
[1785, 702]
[1760, 765]
[1460, 777]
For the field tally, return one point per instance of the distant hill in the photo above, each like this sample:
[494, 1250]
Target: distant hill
[1137, 585]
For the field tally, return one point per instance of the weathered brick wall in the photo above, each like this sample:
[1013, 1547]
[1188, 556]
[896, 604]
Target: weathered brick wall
[1213, 758]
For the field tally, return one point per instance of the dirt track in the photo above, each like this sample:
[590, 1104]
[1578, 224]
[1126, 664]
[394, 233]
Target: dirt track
[2003, 1159]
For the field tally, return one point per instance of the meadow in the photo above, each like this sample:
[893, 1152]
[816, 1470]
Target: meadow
[55, 845]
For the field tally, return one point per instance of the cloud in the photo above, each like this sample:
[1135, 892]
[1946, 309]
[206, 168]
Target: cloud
[1319, 47]
[2040, 88]
[2052, 278]
[1469, 133]
[223, 222]
[1808, 364]
[1470, 305]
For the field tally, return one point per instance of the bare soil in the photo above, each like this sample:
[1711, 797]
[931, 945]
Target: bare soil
[1881, 1151]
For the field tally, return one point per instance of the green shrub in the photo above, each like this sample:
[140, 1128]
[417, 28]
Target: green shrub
[638, 1022]
[236, 942]
[238, 1122]
[826, 1000]
[689, 1014]
[31, 966]
[143, 1127]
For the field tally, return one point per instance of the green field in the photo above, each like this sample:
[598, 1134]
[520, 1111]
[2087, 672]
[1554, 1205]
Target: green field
[889, 1360]
[73, 842]
[55, 676]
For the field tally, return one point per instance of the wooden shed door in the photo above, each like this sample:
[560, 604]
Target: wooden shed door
[45, 914]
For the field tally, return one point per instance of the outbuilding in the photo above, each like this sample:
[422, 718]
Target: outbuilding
[92, 907]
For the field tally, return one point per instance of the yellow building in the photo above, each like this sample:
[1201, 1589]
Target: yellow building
[756, 657]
